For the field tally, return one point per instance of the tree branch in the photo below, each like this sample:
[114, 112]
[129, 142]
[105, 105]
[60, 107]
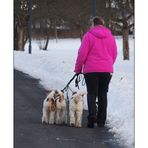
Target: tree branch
[131, 25]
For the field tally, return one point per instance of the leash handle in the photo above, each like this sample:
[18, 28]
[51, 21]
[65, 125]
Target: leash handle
[77, 81]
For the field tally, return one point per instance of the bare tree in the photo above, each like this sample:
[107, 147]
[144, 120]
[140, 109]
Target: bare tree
[20, 25]
[47, 14]
[76, 13]
[122, 19]
[21, 19]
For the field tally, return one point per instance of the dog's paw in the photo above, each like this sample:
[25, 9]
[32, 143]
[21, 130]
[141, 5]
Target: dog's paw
[44, 122]
[72, 124]
[51, 122]
[78, 126]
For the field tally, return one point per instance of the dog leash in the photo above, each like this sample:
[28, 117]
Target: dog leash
[76, 82]
[65, 88]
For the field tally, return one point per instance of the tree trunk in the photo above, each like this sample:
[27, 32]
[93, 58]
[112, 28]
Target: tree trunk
[81, 33]
[125, 45]
[21, 41]
[49, 31]
[46, 44]
[15, 39]
[55, 30]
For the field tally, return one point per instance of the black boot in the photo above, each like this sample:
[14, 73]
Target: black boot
[91, 121]
[100, 124]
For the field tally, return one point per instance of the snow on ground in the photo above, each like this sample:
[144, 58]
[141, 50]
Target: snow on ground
[55, 67]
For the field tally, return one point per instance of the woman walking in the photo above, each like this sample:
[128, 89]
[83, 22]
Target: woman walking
[96, 56]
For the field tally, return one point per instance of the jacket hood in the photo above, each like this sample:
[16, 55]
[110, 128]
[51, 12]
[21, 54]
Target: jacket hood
[100, 32]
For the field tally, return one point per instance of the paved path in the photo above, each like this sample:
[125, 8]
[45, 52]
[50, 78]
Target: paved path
[30, 133]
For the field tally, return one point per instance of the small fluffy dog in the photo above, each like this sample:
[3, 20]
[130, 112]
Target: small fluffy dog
[61, 108]
[49, 108]
[54, 108]
[76, 109]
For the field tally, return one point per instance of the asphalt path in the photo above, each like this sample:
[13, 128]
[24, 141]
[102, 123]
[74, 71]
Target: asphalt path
[29, 132]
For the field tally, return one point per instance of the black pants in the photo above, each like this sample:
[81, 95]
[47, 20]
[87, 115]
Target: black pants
[97, 86]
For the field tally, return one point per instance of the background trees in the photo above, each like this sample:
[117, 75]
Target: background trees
[70, 18]
[122, 20]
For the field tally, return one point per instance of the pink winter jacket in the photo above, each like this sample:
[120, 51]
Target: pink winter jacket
[97, 52]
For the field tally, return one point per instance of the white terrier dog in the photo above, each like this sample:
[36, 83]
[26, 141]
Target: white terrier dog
[49, 109]
[76, 109]
[61, 108]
